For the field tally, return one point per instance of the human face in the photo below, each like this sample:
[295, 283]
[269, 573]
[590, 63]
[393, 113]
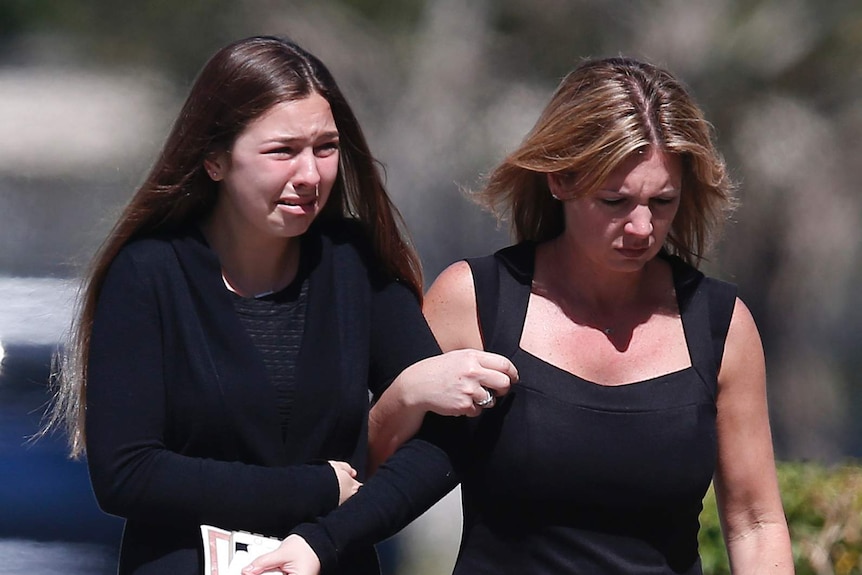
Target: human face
[625, 222]
[279, 173]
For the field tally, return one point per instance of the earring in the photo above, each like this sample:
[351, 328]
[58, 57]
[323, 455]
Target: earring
[556, 197]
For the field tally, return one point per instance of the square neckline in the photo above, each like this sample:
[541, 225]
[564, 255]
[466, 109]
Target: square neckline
[676, 279]
[574, 376]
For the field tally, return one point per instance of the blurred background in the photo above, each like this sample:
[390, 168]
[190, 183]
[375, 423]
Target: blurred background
[443, 88]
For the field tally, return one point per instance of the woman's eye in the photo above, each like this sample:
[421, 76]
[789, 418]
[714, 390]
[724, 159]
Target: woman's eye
[326, 149]
[612, 201]
[282, 151]
[664, 201]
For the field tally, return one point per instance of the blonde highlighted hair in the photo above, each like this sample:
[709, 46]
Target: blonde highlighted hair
[601, 113]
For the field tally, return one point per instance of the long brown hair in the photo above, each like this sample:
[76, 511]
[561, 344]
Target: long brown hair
[237, 85]
[602, 112]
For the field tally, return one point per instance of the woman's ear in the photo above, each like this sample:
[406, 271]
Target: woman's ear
[560, 184]
[215, 166]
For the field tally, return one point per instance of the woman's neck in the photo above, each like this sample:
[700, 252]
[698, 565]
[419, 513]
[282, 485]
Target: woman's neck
[612, 301]
[577, 277]
[253, 266]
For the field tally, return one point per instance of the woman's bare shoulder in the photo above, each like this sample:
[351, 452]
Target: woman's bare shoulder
[450, 308]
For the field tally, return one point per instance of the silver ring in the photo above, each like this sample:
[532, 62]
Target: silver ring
[487, 401]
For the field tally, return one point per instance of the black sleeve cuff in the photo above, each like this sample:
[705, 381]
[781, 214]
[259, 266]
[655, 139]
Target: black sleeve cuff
[320, 542]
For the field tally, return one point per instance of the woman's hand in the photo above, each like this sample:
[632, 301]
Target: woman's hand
[347, 483]
[293, 557]
[458, 382]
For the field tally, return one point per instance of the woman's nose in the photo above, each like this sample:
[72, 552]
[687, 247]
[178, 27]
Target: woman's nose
[640, 222]
[306, 169]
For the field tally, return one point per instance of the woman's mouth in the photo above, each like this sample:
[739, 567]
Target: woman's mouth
[302, 205]
[632, 252]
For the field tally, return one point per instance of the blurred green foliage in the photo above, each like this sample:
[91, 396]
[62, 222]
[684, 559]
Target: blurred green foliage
[172, 36]
[823, 505]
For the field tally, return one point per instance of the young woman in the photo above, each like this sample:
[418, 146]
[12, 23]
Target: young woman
[641, 380]
[252, 294]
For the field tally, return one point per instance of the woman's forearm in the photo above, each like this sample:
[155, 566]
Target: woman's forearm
[764, 549]
[394, 418]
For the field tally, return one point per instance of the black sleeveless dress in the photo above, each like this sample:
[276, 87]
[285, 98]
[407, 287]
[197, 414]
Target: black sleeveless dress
[568, 476]
[563, 476]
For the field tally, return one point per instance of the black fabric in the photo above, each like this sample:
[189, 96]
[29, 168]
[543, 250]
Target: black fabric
[563, 475]
[502, 293]
[616, 474]
[275, 323]
[182, 423]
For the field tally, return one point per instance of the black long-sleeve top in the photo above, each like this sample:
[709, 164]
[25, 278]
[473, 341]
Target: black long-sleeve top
[182, 424]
